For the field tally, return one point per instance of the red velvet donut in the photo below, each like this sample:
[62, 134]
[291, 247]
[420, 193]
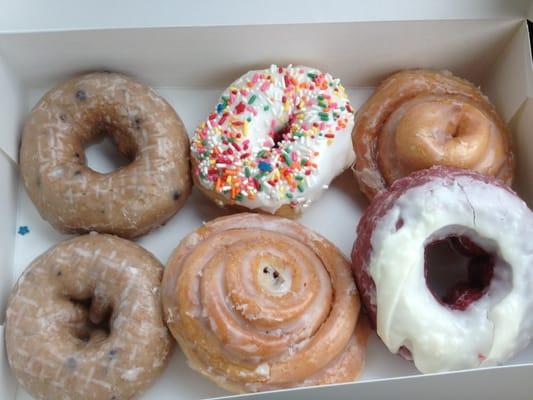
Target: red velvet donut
[480, 218]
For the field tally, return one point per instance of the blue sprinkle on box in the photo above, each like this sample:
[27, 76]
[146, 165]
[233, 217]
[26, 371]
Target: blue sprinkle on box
[23, 230]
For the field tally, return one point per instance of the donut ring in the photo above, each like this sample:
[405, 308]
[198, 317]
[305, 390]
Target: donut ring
[56, 340]
[127, 202]
[261, 303]
[275, 141]
[419, 118]
[480, 322]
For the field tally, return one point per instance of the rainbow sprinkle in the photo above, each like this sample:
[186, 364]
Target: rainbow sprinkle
[264, 136]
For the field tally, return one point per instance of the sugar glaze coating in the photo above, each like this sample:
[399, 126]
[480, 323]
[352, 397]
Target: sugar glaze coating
[57, 341]
[419, 118]
[261, 303]
[129, 201]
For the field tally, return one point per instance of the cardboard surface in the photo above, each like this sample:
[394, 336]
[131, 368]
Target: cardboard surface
[510, 79]
[474, 384]
[359, 53]
[28, 15]
[8, 197]
[522, 124]
[468, 48]
[509, 86]
[11, 104]
[8, 193]
[8, 384]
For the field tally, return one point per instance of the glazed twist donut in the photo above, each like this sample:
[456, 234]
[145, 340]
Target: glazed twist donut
[259, 302]
[418, 118]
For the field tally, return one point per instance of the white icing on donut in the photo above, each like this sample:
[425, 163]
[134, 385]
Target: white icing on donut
[267, 174]
[493, 328]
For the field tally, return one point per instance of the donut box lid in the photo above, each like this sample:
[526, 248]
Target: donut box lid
[484, 41]
[28, 15]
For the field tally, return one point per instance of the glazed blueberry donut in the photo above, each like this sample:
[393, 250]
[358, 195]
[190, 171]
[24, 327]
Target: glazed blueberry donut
[419, 118]
[127, 202]
[482, 319]
[84, 321]
[275, 141]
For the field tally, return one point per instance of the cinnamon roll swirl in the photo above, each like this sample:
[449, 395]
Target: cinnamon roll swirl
[259, 302]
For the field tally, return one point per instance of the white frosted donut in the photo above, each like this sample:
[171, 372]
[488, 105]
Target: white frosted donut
[277, 138]
[479, 325]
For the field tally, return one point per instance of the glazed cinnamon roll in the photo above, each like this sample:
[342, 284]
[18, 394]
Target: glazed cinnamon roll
[259, 302]
[419, 118]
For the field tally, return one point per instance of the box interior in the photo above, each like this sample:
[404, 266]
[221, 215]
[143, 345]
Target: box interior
[190, 67]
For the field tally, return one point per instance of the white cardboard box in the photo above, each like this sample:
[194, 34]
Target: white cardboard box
[190, 66]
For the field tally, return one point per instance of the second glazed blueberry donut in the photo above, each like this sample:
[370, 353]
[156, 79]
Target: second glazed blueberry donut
[84, 321]
[276, 139]
[127, 202]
